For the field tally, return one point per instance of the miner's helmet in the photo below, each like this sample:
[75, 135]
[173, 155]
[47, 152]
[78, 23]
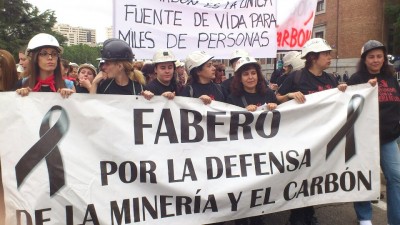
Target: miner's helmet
[163, 56]
[196, 59]
[246, 60]
[238, 53]
[43, 40]
[371, 45]
[315, 45]
[116, 49]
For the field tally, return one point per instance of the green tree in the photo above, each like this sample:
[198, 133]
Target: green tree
[392, 14]
[82, 54]
[20, 21]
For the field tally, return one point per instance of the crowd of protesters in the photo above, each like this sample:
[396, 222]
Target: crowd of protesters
[42, 69]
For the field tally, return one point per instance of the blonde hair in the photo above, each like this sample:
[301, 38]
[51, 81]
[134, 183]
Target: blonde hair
[133, 73]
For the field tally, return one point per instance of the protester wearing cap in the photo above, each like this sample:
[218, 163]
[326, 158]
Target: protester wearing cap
[45, 68]
[202, 72]
[164, 68]
[374, 68]
[86, 74]
[236, 55]
[115, 79]
[308, 80]
[249, 89]
[292, 61]
[313, 78]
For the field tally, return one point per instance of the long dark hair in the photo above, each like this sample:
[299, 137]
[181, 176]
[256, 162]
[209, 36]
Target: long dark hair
[310, 57]
[386, 69]
[193, 73]
[35, 70]
[237, 88]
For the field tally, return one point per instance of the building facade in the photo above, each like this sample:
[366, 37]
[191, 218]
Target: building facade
[109, 32]
[347, 25]
[77, 35]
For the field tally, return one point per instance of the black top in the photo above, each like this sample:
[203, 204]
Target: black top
[307, 83]
[257, 99]
[226, 85]
[214, 91]
[275, 75]
[109, 86]
[389, 103]
[158, 88]
[281, 79]
[80, 89]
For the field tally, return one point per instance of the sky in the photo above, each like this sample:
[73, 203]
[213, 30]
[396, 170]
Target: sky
[84, 13]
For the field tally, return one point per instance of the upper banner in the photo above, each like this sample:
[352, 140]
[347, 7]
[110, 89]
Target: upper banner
[113, 159]
[216, 26]
[295, 23]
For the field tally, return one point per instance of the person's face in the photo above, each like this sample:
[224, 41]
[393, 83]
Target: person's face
[180, 70]
[74, 72]
[207, 73]
[164, 71]
[324, 60]
[86, 74]
[249, 79]
[374, 60]
[111, 68]
[23, 60]
[47, 59]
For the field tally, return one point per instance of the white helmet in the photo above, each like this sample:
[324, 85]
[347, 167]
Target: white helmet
[315, 45]
[246, 60]
[163, 56]
[41, 40]
[179, 63]
[239, 53]
[73, 64]
[288, 58]
[195, 59]
[297, 62]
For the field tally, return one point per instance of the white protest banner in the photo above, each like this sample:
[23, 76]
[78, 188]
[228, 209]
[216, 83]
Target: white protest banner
[295, 23]
[217, 27]
[109, 159]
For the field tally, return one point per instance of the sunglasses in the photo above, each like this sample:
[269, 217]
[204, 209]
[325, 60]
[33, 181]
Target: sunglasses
[221, 70]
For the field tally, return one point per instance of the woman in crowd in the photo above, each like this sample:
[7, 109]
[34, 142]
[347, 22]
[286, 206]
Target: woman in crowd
[248, 88]
[202, 72]
[86, 74]
[8, 71]
[45, 68]
[117, 71]
[310, 79]
[219, 73]
[164, 68]
[373, 68]
[23, 61]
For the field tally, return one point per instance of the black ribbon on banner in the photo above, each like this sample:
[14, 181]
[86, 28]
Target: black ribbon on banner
[353, 111]
[46, 148]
